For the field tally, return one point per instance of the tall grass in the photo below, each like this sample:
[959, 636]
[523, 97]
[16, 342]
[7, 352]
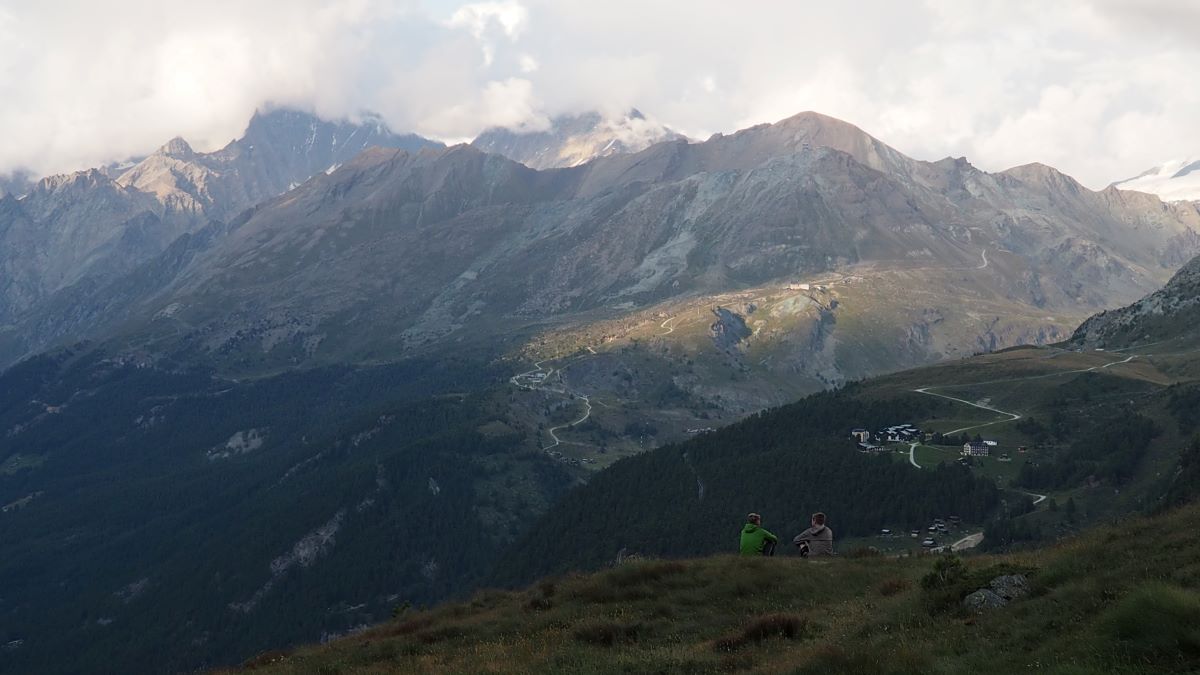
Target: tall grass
[1157, 623]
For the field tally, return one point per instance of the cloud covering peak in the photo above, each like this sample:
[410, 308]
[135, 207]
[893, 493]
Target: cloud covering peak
[1097, 88]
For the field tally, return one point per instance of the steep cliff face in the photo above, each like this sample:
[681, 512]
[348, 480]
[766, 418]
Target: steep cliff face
[1172, 313]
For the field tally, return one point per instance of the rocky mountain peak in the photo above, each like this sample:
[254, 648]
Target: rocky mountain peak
[812, 129]
[74, 182]
[177, 148]
[1041, 175]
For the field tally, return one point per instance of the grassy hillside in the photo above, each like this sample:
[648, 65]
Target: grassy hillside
[1119, 599]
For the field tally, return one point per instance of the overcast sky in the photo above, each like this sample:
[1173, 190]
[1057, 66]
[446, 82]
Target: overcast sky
[1101, 89]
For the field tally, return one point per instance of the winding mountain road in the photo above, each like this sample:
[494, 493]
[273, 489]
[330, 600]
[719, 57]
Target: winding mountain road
[1012, 417]
[586, 414]
[669, 329]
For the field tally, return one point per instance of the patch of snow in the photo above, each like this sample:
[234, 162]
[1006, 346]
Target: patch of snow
[240, 443]
[430, 569]
[363, 436]
[303, 554]
[305, 551]
[1174, 181]
[434, 487]
[132, 591]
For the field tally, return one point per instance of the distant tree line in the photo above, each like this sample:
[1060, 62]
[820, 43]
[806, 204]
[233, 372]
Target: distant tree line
[1108, 452]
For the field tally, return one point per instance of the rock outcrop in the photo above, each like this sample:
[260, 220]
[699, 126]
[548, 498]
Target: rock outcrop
[999, 592]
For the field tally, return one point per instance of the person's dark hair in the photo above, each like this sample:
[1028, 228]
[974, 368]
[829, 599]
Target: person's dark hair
[819, 518]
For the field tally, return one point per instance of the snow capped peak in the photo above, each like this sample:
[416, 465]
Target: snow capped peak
[1175, 180]
[573, 139]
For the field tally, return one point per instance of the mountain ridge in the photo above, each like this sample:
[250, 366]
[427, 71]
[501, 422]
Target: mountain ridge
[1168, 314]
[767, 205]
[98, 225]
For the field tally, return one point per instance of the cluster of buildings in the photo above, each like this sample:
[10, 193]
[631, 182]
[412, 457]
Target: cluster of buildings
[873, 442]
[978, 448]
[869, 441]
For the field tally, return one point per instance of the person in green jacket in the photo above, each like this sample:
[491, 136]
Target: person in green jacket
[756, 540]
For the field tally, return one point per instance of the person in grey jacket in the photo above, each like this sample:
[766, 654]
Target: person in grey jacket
[816, 540]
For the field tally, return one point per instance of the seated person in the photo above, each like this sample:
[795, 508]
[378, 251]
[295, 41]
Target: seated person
[816, 540]
[756, 540]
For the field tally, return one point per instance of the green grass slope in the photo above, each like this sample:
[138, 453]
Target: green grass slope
[1118, 599]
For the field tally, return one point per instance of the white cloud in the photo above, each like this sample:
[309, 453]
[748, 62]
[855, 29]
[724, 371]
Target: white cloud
[484, 18]
[509, 16]
[1100, 88]
[528, 64]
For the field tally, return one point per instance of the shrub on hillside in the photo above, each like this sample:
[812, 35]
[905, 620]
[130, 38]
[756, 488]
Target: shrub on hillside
[1156, 624]
[629, 582]
[947, 571]
[787, 626]
[873, 661]
[608, 633]
[891, 587]
[644, 572]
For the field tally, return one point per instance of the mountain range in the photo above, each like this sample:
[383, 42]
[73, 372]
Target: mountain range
[459, 245]
[97, 225]
[277, 391]
[1177, 180]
